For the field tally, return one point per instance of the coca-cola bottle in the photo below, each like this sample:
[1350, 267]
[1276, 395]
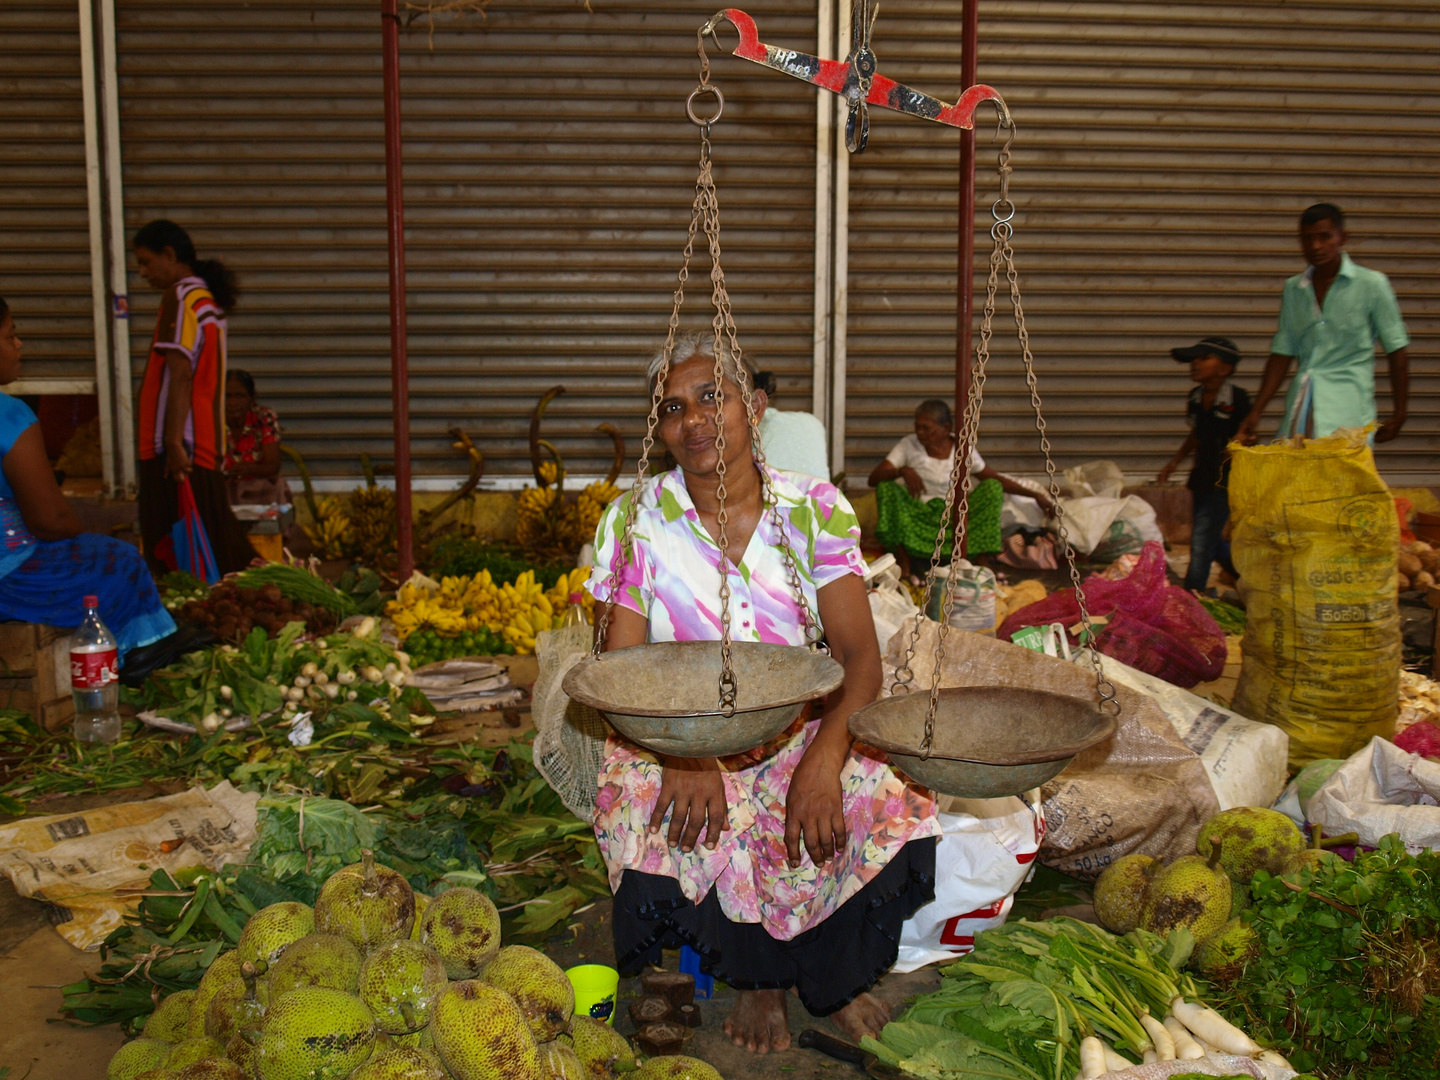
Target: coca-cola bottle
[95, 678]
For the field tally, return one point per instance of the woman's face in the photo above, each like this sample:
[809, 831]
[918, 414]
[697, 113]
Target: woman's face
[237, 402]
[687, 418]
[9, 351]
[160, 269]
[933, 435]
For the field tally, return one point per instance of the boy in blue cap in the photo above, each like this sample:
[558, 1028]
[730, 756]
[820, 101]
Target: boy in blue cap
[1216, 409]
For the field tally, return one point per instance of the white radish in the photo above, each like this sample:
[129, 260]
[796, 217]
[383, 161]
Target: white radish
[1164, 1044]
[302, 681]
[1116, 1062]
[1209, 1025]
[1092, 1058]
[321, 679]
[1272, 1057]
[1186, 1048]
[310, 669]
[345, 678]
[1150, 1057]
[226, 693]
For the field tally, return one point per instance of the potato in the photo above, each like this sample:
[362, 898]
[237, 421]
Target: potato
[1404, 583]
[1422, 580]
[1430, 561]
[1408, 564]
[1419, 547]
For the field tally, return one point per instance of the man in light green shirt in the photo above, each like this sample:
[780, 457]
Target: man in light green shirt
[1330, 318]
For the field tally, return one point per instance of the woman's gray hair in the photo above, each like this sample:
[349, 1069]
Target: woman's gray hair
[698, 342]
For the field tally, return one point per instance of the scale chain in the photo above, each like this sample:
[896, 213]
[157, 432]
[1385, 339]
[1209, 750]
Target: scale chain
[1002, 255]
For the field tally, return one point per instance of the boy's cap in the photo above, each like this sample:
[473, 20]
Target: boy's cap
[1224, 348]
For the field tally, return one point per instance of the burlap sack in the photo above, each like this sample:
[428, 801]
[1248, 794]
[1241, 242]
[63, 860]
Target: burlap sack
[1142, 791]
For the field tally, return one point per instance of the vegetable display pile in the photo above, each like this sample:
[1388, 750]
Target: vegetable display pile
[272, 596]
[429, 647]
[373, 978]
[517, 610]
[460, 556]
[1343, 973]
[1056, 999]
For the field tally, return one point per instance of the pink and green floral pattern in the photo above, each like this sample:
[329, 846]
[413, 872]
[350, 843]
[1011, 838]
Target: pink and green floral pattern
[675, 583]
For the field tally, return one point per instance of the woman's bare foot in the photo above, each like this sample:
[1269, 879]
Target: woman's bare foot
[758, 1022]
[865, 1015]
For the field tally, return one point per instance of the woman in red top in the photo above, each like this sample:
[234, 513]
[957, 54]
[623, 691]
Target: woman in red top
[181, 414]
[252, 457]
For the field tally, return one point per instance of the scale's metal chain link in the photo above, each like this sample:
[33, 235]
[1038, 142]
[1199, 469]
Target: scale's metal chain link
[705, 211]
[1002, 255]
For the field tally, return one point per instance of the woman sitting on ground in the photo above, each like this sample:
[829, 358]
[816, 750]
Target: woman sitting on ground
[910, 487]
[47, 564]
[252, 453]
[795, 864]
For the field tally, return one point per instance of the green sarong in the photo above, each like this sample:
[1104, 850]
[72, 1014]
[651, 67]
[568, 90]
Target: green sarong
[912, 523]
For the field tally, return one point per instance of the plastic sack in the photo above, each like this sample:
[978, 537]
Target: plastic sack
[1103, 478]
[1105, 528]
[1380, 789]
[973, 608]
[1315, 541]
[890, 601]
[80, 862]
[987, 851]
[1244, 760]
[569, 737]
[1142, 791]
[1155, 627]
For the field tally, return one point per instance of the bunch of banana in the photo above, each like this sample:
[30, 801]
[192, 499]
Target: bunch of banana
[569, 585]
[424, 613]
[372, 516]
[591, 504]
[331, 532]
[532, 512]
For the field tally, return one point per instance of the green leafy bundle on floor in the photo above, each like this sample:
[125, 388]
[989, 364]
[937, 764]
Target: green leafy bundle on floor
[1018, 1006]
[1230, 618]
[1345, 979]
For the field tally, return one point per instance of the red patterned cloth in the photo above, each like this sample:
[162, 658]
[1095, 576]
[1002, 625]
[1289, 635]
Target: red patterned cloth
[243, 444]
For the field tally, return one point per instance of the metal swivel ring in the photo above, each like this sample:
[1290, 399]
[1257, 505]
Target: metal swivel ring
[704, 88]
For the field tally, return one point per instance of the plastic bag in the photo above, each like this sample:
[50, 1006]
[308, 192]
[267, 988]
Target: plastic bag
[1154, 627]
[890, 601]
[1381, 789]
[1105, 528]
[1103, 478]
[1315, 540]
[987, 851]
[973, 608]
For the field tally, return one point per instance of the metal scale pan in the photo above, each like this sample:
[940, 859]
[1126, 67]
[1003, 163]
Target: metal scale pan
[661, 684]
[989, 741]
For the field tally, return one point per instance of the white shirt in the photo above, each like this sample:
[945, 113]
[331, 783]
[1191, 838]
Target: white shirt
[795, 442]
[935, 472]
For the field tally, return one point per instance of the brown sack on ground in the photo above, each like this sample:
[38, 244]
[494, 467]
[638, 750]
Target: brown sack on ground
[1142, 791]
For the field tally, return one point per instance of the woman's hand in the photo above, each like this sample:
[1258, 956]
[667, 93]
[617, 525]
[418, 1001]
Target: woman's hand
[696, 789]
[913, 483]
[814, 812]
[177, 461]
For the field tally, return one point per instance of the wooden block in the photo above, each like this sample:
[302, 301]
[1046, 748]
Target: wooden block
[23, 644]
[675, 986]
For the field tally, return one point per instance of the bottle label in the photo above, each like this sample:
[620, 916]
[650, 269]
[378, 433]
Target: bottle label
[94, 670]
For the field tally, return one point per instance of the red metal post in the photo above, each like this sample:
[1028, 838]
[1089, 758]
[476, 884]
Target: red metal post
[395, 215]
[965, 278]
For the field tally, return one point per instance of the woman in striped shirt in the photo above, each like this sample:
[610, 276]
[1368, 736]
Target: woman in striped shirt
[181, 415]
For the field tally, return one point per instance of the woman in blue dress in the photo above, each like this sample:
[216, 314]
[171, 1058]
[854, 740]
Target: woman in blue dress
[47, 564]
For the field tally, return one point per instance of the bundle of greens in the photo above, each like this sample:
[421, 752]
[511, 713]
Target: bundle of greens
[1018, 1007]
[300, 585]
[1230, 618]
[1345, 975]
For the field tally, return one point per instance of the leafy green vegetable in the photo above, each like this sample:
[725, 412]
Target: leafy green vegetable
[297, 584]
[1345, 981]
[1018, 1006]
[1230, 617]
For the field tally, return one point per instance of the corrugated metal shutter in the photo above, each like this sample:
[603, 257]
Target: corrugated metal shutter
[44, 225]
[1164, 153]
[549, 173]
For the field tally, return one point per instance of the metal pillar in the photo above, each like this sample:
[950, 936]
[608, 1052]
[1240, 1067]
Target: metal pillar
[965, 277]
[395, 216]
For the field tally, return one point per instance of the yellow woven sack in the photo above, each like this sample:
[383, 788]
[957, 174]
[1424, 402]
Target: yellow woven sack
[1315, 539]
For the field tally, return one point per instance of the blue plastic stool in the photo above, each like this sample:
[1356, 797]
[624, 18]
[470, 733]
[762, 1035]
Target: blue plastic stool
[690, 965]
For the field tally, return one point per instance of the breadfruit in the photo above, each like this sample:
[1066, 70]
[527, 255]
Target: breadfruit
[401, 1063]
[137, 1057]
[367, 903]
[171, 1019]
[399, 983]
[193, 1050]
[677, 1067]
[271, 929]
[463, 926]
[1120, 892]
[1221, 957]
[1190, 892]
[211, 1068]
[1251, 839]
[560, 1062]
[222, 969]
[314, 1033]
[538, 986]
[601, 1049]
[317, 960]
[481, 1034]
